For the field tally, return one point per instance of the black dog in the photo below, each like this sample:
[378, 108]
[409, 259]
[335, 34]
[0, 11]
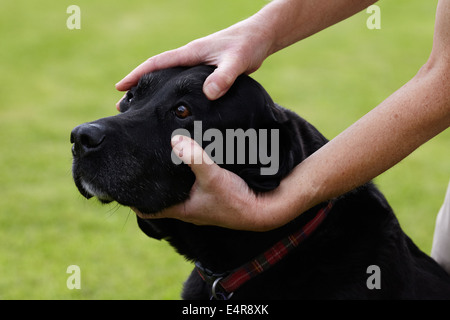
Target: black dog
[350, 248]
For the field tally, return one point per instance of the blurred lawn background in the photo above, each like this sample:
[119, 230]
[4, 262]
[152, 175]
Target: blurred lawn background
[53, 79]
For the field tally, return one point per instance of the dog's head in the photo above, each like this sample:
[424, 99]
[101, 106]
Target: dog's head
[128, 157]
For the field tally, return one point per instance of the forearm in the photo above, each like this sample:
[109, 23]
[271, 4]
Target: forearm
[289, 21]
[411, 116]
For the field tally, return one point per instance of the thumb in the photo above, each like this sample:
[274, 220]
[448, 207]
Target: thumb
[222, 78]
[190, 152]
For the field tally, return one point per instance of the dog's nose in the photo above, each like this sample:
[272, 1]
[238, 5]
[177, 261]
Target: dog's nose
[86, 137]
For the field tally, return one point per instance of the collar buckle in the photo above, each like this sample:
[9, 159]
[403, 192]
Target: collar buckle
[219, 295]
[213, 280]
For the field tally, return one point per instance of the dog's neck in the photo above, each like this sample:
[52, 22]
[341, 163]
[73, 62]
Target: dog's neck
[221, 249]
[223, 285]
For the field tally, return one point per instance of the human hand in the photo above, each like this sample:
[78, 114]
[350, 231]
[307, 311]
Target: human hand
[238, 49]
[218, 196]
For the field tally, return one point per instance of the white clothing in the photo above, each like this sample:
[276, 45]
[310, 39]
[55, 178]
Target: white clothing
[441, 241]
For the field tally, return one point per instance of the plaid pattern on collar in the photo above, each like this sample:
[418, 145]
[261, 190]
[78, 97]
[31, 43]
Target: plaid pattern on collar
[223, 285]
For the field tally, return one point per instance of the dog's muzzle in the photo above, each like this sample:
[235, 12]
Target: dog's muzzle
[87, 138]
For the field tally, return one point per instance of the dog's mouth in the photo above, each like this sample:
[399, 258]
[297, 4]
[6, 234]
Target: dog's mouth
[89, 190]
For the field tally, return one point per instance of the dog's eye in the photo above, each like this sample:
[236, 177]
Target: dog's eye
[130, 96]
[182, 111]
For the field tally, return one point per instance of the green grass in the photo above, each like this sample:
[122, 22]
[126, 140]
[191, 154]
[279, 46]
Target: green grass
[54, 79]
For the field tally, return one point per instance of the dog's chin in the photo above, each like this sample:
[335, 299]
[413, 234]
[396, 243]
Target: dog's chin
[88, 190]
[149, 201]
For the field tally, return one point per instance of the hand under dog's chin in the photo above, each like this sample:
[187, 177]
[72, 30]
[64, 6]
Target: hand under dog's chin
[144, 213]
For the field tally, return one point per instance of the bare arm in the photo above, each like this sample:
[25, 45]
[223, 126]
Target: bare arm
[390, 132]
[411, 116]
[243, 47]
[290, 21]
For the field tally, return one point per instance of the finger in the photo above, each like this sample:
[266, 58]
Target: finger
[223, 77]
[184, 56]
[143, 215]
[133, 77]
[118, 103]
[189, 151]
[171, 212]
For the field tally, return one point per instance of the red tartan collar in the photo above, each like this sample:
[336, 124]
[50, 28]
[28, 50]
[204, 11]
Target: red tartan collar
[224, 285]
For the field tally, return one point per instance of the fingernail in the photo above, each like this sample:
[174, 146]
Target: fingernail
[176, 145]
[212, 91]
[176, 140]
[118, 85]
[122, 85]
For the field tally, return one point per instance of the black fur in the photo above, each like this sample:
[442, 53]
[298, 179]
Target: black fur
[127, 158]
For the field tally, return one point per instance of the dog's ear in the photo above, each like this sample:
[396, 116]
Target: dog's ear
[279, 161]
[277, 113]
[280, 148]
[275, 122]
[295, 137]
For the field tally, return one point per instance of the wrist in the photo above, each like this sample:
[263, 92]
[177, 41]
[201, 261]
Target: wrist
[278, 21]
[280, 206]
[298, 192]
[263, 29]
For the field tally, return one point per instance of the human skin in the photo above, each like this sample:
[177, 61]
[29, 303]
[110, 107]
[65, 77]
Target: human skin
[243, 47]
[388, 133]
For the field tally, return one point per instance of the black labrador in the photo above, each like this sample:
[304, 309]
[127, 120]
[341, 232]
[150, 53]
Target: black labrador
[349, 248]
